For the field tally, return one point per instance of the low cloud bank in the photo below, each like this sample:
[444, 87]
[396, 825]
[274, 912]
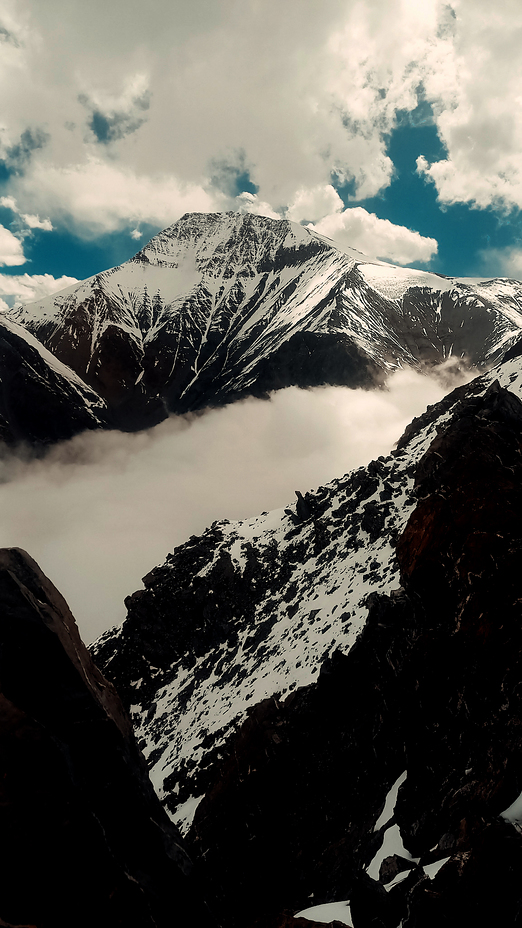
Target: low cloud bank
[103, 509]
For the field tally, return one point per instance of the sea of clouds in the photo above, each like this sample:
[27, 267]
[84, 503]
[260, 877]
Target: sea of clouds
[99, 511]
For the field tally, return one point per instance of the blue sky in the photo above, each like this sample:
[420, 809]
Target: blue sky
[393, 126]
[469, 238]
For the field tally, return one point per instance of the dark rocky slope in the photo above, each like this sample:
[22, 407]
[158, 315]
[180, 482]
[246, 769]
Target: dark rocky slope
[84, 840]
[431, 688]
[417, 713]
[41, 400]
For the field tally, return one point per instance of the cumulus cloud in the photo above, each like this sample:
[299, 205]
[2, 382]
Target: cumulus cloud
[112, 118]
[32, 222]
[250, 203]
[477, 101]
[98, 196]
[308, 94]
[11, 249]
[17, 156]
[314, 203]
[377, 238]
[101, 510]
[503, 262]
[313, 97]
[24, 288]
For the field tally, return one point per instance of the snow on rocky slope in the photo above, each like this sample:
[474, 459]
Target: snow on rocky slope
[284, 688]
[41, 399]
[222, 305]
[253, 608]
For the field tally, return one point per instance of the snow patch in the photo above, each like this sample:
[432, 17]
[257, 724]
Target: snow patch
[185, 813]
[431, 870]
[328, 912]
[389, 805]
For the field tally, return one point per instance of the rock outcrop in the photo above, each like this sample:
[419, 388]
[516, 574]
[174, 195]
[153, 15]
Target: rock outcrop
[41, 400]
[428, 696]
[84, 840]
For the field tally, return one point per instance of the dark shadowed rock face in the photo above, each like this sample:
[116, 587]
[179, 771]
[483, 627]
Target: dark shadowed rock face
[84, 841]
[41, 400]
[428, 698]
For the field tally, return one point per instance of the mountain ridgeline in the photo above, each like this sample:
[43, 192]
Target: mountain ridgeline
[223, 306]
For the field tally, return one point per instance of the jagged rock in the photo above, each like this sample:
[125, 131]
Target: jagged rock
[287, 920]
[84, 841]
[392, 866]
[430, 687]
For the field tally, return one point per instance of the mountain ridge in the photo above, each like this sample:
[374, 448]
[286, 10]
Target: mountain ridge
[253, 718]
[221, 306]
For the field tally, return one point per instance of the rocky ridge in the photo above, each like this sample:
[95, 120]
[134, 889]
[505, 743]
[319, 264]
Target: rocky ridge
[389, 781]
[41, 399]
[277, 711]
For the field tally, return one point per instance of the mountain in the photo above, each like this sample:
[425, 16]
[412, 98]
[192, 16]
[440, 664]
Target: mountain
[41, 399]
[84, 839]
[328, 695]
[220, 306]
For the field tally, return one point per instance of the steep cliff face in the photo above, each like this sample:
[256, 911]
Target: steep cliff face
[84, 839]
[333, 690]
[220, 306]
[41, 400]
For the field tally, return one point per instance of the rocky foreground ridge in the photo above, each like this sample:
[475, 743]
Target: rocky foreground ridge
[328, 696]
[84, 840]
[223, 305]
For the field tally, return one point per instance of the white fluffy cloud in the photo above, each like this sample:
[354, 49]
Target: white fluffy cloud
[506, 261]
[27, 287]
[11, 250]
[250, 203]
[32, 222]
[377, 238]
[100, 196]
[116, 113]
[314, 204]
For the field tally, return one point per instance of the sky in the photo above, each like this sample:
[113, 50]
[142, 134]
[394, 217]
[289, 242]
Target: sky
[394, 126]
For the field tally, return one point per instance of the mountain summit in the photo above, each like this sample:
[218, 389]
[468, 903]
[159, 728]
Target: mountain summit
[223, 305]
